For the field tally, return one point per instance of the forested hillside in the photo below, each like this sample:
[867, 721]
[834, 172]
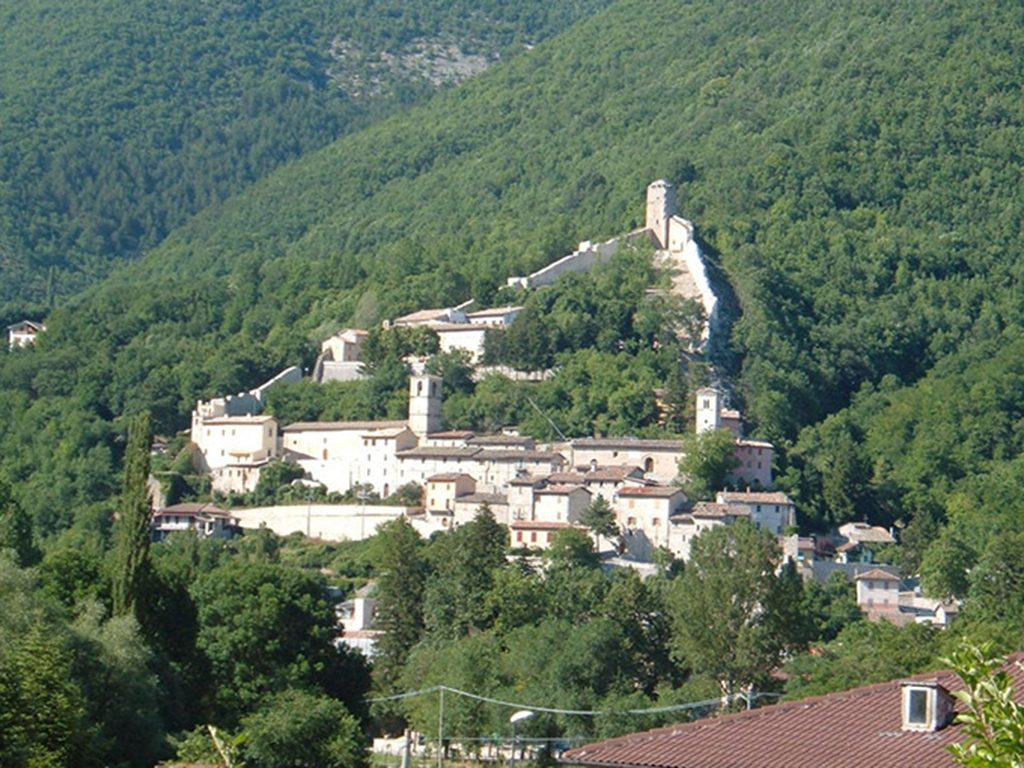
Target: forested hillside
[120, 120]
[853, 169]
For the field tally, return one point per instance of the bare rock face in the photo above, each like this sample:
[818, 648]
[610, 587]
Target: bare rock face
[437, 61]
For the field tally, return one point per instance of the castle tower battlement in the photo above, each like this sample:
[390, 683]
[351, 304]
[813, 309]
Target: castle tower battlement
[661, 207]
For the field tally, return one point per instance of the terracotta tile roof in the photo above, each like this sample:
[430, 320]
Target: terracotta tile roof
[560, 490]
[448, 477]
[655, 491]
[514, 455]
[533, 480]
[851, 729]
[422, 316]
[614, 473]
[496, 312]
[219, 420]
[451, 434]
[567, 478]
[494, 499]
[459, 327]
[191, 508]
[877, 574]
[539, 525]
[430, 452]
[864, 533]
[507, 440]
[26, 325]
[755, 497]
[342, 426]
[628, 444]
[712, 509]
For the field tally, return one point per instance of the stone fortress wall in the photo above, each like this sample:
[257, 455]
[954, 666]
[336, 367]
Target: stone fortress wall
[249, 403]
[587, 256]
[678, 251]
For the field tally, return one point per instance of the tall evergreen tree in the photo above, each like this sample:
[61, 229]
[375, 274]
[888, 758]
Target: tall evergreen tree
[599, 516]
[132, 533]
[464, 562]
[397, 558]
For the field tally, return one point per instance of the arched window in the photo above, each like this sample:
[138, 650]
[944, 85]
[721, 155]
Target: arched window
[648, 464]
[419, 387]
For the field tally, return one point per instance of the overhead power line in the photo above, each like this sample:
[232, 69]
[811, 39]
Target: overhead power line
[557, 711]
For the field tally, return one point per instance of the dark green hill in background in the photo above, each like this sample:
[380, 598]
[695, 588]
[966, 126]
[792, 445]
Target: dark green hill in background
[854, 168]
[120, 120]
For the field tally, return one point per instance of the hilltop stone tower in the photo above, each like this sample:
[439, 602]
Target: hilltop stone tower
[709, 409]
[661, 206]
[424, 404]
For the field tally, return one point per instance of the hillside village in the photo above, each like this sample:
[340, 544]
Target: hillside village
[564, 454]
[534, 489]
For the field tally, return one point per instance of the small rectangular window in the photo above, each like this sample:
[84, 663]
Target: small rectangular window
[917, 707]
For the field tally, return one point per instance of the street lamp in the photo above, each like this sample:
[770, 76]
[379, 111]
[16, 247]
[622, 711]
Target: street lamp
[518, 717]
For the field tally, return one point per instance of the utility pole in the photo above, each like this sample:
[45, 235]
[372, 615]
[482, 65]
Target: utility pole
[518, 717]
[440, 730]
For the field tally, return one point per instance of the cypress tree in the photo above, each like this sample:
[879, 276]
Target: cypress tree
[132, 534]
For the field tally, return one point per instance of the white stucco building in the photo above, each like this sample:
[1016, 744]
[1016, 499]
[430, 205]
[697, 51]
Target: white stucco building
[24, 333]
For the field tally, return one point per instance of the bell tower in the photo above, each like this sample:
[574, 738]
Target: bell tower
[709, 410]
[424, 404]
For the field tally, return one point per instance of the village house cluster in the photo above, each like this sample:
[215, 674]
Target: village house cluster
[534, 489]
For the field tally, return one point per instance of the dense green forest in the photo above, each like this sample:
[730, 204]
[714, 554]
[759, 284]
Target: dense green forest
[120, 120]
[854, 174]
[860, 202]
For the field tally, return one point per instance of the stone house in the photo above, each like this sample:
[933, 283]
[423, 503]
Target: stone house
[341, 454]
[431, 317]
[467, 506]
[773, 511]
[686, 525]
[498, 317]
[206, 520]
[560, 503]
[441, 491]
[658, 459]
[468, 337]
[340, 357]
[643, 514]
[878, 593]
[535, 534]
[233, 450]
[754, 463]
